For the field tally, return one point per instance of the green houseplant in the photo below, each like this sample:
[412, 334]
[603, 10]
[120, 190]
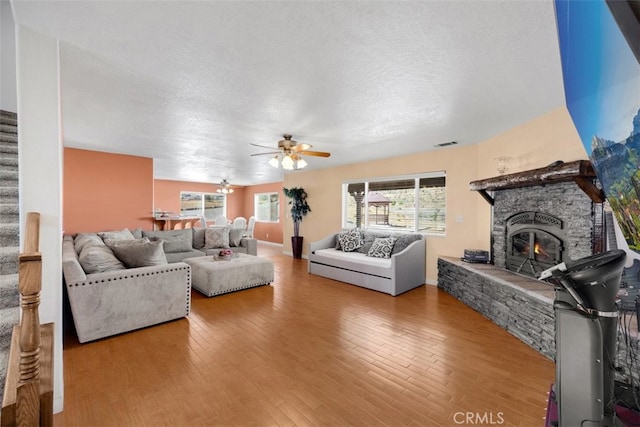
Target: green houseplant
[299, 208]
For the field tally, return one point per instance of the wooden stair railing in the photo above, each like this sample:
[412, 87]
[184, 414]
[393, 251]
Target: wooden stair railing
[28, 393]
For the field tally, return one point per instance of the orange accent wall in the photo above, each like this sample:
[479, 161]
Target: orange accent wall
[266, 231]
[166, 196]
[103, 191]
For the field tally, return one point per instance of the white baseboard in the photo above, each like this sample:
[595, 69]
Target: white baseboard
[264, 242]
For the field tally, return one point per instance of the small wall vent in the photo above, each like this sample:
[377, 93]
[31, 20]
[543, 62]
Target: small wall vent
[446, 144]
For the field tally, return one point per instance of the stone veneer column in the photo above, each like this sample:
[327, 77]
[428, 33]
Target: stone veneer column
[564, 200]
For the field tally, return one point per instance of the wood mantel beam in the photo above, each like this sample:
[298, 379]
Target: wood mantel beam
[581, 172]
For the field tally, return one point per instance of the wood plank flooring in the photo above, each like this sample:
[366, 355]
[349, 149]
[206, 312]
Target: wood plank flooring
[309, 351]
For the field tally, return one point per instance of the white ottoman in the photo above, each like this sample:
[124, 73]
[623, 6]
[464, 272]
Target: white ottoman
[215, 277]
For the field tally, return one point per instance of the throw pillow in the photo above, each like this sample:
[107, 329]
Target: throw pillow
[143, 254]
[235, 236]
[216, 237]
[369, 238]
[382, 247]
[98, 259]
[137, 233]
[351, 240]
[86, 239]
[112, 243]
[117, 235]
[198, 238]
[403, 241]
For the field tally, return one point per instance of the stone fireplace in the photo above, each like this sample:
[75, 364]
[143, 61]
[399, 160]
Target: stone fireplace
[545, 216]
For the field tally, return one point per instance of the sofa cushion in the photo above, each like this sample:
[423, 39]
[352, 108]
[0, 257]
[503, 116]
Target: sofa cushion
[179, 256]
[351, 240]
[142, 254]
[174, 244]
[185, 233]
[382, 247]
[124, 234]
[353, 261]
[216, 237]
[235, 236]
[98, 259]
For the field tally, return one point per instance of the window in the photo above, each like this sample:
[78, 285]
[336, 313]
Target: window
[408, 203]
[267, 207]
[211, 205]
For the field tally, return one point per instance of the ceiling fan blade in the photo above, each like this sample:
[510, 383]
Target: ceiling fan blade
[271, 153]
[316, 153]
[262, 146]
[299, 147]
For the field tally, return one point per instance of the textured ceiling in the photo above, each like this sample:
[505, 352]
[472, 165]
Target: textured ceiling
[192, 84]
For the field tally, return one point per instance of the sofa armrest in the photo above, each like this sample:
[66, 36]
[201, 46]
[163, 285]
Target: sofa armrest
[327, 242]
[409, 265]
[251, 244]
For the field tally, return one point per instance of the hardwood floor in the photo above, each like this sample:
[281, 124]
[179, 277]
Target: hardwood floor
[309, 351]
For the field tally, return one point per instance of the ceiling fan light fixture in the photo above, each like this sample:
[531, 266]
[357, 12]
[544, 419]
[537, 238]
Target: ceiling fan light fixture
[225, 187]
[300, 164]
[287, 162]
[275, 162]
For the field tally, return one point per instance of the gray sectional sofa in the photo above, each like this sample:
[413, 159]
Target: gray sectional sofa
[121, 281]
[403, 270]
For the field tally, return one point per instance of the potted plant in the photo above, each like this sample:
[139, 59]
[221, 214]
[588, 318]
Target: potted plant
[299, 208]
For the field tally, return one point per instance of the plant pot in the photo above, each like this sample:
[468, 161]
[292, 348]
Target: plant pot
[296, 246]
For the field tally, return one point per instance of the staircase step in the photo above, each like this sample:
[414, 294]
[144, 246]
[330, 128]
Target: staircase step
[8, 178]
[9, 213]
[10, 129]
[11, 114]
[9, 235]
[9, 195]
[10, 148]
[9, 295]
[7, 120]
[8, 163]
[9, 260]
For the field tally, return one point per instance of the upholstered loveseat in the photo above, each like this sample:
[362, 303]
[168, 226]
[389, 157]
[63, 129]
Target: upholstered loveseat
[120, 281]
[393, 264]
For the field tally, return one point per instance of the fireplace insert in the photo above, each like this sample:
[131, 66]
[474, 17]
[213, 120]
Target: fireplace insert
[535, 242]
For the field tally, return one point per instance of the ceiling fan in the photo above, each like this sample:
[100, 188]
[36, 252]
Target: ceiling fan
[291, 152]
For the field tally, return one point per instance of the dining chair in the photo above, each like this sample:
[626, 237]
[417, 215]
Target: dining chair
[240, 222]
[250, 226]
[222, 220]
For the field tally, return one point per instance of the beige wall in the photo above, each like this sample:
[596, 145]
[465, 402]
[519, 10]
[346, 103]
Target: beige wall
[532, 145]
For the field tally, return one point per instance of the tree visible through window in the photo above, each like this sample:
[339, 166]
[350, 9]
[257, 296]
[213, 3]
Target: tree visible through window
[267, 207]
[415, 203]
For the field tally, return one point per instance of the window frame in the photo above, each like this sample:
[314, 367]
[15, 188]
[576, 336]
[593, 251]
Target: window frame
[203, 195]
[416, 219]
[255, 206]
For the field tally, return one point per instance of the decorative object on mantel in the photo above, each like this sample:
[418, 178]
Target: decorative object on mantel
[579, 171]
[299, 208]
[225, 187]
[502, 164]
